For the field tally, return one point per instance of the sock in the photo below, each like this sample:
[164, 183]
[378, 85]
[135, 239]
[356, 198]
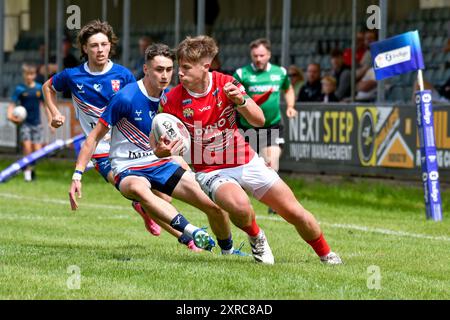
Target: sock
[320, 246]
[27, 175]
[252, 230]
[184, 239]
[180, 223]
[226, 245]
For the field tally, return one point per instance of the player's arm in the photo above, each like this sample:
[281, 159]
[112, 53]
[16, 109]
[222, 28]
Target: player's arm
[57, 119]
[289, 96]
[92, 140]
[245, 105]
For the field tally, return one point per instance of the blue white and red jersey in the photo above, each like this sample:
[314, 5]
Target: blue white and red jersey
[91, 93]
[129, 115]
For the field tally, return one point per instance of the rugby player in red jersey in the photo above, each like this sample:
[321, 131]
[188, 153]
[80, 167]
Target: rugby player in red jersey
[226, 166]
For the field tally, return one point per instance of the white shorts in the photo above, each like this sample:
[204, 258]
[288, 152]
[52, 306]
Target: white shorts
[255, 177]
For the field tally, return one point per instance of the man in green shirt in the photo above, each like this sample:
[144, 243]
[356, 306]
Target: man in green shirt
[264, 83]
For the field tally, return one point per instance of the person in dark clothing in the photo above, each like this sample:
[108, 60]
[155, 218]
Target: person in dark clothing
[312, 89]
[342, 74]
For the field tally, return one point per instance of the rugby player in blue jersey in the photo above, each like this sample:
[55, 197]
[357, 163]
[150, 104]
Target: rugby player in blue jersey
[92, 85]
[137, 170]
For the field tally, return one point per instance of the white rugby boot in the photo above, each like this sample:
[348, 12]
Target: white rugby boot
[260, 248]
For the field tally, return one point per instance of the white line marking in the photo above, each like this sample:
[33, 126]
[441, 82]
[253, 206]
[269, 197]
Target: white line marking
[122, 208]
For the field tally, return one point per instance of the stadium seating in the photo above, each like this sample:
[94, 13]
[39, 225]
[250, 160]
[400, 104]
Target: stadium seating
[312, 38]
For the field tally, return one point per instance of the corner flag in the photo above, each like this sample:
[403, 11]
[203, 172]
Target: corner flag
[397, 55]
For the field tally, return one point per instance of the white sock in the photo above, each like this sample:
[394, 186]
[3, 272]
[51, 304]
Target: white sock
[27, 175]
[189, 230]
[228, 251]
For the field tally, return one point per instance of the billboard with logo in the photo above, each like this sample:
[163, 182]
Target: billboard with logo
[361, 139]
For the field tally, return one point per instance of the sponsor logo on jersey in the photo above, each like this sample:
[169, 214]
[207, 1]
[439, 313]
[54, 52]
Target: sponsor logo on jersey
[204, 109]
[115, 84]
[186, 102]
[188, 113]
[138, 115]
[215, 92]
[275, 77]
[98, 87]
[263, 88]
[253, 78]
[152, 114]
[80, 88]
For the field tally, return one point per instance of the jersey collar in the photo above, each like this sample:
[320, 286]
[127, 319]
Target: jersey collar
[108, 67]
[268, 67]
[144, 91]
[204, 94]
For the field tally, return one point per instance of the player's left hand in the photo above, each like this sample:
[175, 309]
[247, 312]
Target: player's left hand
[291, 112]
[233, 93]
[75, 188]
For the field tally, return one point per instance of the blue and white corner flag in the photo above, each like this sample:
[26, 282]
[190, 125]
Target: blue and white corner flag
[397, 55]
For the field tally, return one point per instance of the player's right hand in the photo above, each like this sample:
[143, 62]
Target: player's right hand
[58, 120]
[75, 189]
[166, 148]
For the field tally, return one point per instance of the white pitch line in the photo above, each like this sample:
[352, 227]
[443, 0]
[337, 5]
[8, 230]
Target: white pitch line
[331, 225]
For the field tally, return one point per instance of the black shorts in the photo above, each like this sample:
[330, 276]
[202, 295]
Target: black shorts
[265, 137]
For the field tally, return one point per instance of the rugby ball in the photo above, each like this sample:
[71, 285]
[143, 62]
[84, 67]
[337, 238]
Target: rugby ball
[172, 127]
[20, 113]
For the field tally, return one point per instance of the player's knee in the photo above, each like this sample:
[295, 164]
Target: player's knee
[241, 205]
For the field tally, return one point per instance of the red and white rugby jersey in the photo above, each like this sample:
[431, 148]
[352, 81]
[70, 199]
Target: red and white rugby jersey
[210, 118]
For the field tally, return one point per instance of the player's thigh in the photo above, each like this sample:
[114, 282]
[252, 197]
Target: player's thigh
[224, 189]
[286, 205]
[134, 187]
[189, 191]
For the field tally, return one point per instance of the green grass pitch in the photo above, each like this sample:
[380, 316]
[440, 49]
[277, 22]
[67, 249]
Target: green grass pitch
[389, 249]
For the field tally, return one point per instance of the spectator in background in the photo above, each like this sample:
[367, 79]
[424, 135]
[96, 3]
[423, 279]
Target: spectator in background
[297, 79]
[366, 61]
[360, 50]
[366, 88]
[342, 75]
[264, 82]
[69, 61]
[52, 68]
[329, 89]
[311, 91]
[447, 45]
[144, 42]
[29, 95]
